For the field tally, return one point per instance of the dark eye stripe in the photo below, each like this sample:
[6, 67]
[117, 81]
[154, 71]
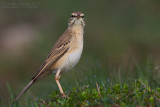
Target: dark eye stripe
[73, 16]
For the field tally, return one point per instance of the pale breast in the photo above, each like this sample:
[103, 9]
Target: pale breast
[71, 58]
[74, 57]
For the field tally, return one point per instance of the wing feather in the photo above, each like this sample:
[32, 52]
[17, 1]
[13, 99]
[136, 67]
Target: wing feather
[60, 48]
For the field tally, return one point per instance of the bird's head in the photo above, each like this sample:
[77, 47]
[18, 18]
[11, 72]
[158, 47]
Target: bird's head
[77, 19]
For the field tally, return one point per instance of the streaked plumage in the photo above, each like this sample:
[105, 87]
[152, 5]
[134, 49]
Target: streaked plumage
[65, 54]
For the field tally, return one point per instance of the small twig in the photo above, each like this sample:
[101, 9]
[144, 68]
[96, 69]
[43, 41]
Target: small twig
[86, 86]
[116, 105]
[98, 90]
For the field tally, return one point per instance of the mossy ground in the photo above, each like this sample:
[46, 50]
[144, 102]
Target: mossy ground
[95, 85]
[137, 93]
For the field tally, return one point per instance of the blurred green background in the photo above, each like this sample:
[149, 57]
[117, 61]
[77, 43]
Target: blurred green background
[117, 32]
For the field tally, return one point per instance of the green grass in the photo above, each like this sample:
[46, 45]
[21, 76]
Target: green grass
[135, 84]
[137, 93]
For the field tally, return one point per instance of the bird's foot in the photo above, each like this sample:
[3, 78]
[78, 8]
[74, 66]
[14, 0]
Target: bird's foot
[64, 96]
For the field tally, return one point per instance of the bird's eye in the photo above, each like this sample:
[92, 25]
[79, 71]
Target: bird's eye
[82, 16]
[73, 16]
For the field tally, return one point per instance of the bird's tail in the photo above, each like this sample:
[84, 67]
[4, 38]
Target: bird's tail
[24, 90]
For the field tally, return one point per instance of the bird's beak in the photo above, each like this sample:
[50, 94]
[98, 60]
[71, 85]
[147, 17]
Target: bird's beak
[78, 16]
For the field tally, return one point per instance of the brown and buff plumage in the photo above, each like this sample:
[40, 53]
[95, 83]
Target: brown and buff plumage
[64, 55]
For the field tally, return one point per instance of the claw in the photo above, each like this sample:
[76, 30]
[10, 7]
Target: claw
[64, 96]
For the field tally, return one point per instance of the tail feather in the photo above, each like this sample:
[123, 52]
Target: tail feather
[24, 90]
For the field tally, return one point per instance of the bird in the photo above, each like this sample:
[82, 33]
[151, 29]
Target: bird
[64, 55]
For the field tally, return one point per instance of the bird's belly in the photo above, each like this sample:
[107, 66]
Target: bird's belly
[68, 61]
[72, 59]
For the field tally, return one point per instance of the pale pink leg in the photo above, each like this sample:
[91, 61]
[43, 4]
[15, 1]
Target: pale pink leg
[57, 77]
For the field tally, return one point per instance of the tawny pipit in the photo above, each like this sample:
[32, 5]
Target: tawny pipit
[65, 53]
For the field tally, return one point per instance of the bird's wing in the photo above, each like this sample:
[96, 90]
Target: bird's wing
[60, 48]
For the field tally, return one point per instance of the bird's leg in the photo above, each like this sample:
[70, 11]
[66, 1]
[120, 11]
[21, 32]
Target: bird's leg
[57, 77]
[59, 86]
